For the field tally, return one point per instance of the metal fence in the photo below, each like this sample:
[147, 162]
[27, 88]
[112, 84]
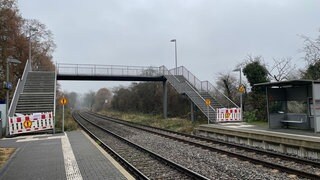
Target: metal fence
[108, 70]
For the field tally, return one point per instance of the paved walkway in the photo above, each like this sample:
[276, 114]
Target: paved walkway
[61, 156]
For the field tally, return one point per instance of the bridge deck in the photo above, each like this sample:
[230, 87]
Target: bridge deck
[110, 72]
[108, 78]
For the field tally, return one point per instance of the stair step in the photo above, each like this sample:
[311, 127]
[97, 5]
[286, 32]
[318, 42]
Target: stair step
[31, 107]
[36, 102]
[35, 97]
[38, 94]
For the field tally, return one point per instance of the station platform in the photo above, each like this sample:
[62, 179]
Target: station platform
[71, 155]
[290, 141]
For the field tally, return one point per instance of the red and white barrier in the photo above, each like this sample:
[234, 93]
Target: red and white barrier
[30, 123]
[228, 114]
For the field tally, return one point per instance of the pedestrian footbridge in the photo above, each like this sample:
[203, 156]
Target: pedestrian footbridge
[36, 90]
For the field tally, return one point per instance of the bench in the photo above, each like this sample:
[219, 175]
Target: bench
[294, 119]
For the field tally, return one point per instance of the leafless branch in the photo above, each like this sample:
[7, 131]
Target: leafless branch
[281, 69]
[311, 49]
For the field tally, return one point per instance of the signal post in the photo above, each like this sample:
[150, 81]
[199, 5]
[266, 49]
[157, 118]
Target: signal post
[63, 101]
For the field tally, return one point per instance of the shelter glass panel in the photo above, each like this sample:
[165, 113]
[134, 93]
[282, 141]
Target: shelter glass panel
[288, 107]
[297, 107]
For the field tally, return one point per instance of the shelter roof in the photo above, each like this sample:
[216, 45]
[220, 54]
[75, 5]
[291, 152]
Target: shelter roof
[291, 83]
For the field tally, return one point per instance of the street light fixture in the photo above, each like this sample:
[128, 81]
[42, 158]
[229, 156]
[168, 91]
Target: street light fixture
[13, 61]
[240, 70]
[30, 35]
[176, 56]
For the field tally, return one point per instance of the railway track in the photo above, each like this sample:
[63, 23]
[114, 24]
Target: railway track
[288, 164]
[142, 163]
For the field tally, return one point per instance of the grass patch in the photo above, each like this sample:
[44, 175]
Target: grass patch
[69, 123]
[173, 124]
[5, 154]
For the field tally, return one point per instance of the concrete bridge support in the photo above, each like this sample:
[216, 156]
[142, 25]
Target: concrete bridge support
[192, 105]
[165, 99]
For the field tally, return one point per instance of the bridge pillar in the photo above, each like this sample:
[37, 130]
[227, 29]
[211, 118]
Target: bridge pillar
[165, 101]
[192, 111]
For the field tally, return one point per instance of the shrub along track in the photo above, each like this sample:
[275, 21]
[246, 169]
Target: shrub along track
[208, 157]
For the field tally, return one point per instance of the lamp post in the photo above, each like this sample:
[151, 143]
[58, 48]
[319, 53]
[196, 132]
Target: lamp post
[176, 56]
[30, 35]
[240, 70]
[14, 61]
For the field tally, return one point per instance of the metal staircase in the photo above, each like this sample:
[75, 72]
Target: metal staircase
[197, 91]
[38, 93]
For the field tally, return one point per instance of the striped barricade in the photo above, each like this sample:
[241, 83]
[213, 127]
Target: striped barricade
[31, 123]
[228, 114]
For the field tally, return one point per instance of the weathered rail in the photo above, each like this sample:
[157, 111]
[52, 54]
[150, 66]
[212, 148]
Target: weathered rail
[289, 164]
[143, 163]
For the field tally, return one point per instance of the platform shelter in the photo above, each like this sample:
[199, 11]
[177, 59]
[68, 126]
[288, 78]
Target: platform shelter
[293, 104]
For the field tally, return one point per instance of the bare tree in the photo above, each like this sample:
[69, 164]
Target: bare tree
[311, 49]
[42, 44]
[281, 69]
[312, 57]
[227, 84]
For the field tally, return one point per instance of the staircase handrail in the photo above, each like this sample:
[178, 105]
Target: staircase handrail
[195, 82]
[199, 95]
[19, 88]
[210, 91]
[164, 70]
[168, 72]
[15, 96]
[192, 79]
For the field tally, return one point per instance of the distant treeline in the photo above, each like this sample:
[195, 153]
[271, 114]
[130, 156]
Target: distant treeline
[148, 98]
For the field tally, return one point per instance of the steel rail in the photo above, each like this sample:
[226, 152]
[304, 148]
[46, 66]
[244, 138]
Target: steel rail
[240, 156]
[184, 170]
[247, 148]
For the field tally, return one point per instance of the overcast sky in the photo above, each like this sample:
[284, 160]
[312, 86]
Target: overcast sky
[213, 36]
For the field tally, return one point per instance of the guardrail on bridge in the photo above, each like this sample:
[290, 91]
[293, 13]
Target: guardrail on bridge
[108, 70]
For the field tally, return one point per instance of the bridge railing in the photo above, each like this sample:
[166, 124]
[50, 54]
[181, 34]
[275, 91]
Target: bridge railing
[202, 86]
[109, 70]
